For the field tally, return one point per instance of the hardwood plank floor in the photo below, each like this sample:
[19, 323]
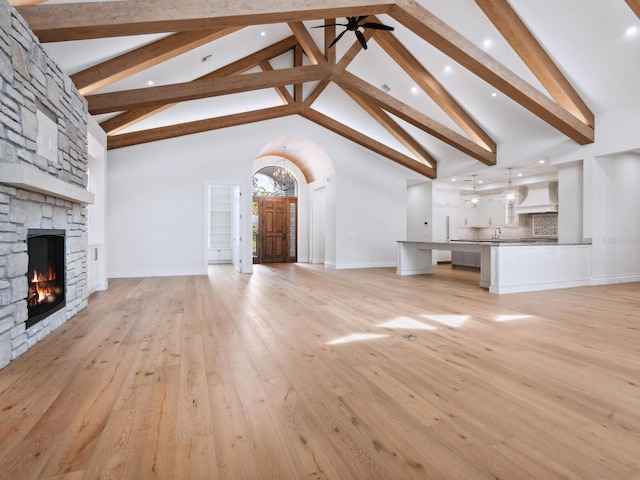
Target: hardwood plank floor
[297, 372]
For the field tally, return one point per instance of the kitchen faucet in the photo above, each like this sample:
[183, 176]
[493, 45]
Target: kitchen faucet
[496, 233]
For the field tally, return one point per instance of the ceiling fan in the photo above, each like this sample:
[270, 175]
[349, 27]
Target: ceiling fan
[353, 25]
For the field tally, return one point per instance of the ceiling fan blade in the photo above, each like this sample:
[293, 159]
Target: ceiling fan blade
[361, 38]
[376, 26]
[335, 40]
[330, 25]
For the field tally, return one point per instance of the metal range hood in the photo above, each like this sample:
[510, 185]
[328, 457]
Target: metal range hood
[541, 197]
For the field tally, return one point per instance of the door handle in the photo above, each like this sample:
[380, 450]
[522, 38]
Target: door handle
[284, 237]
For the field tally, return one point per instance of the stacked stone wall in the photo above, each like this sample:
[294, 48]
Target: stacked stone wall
[30, 82]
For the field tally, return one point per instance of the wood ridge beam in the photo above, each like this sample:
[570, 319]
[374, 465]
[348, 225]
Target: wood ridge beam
[204, 88]
[513, 29]
[199, 126]
[82, 21]
[431, 29]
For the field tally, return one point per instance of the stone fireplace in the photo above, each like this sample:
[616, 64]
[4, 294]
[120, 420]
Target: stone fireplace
[43, 196]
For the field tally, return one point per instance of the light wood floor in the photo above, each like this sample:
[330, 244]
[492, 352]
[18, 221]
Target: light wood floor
[296, 372]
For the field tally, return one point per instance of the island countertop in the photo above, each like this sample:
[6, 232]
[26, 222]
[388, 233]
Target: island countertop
[508, 266]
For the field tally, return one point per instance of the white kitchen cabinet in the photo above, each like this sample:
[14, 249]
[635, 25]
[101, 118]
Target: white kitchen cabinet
[465, 259]
[491, 212]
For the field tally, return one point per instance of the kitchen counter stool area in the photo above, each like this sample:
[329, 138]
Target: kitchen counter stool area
[508, 267]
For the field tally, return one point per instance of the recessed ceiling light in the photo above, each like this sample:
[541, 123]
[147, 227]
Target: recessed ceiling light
[519, 174]
[448, 69]
[631, 31]
[494, 94]
[540, 161]
[150, 82]
[263, 34]
[415, 90]
[479, 181]
[453, 179]
[487, 43]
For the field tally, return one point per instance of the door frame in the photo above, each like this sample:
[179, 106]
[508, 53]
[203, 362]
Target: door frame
[289, 200]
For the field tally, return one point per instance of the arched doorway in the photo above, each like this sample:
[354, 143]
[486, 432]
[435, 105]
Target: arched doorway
[315, 175]
[275, 214]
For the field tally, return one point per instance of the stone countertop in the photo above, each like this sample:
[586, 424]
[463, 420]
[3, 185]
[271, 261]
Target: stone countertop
[505, 242]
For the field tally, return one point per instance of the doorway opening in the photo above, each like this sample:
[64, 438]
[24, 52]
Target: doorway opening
[275, 215]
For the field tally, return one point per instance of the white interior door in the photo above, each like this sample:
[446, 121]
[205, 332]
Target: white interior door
[236, 229]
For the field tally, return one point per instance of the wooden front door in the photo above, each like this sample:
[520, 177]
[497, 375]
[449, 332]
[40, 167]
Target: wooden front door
[276, 229]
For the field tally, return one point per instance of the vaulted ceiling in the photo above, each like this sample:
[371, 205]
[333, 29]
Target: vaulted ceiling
[450, 81]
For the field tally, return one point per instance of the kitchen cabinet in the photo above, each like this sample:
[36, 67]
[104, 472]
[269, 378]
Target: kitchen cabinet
[491, 212]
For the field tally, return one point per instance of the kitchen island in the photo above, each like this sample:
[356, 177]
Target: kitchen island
[508, 266]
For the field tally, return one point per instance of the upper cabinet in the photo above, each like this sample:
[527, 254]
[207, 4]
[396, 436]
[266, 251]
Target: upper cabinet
[491, 212]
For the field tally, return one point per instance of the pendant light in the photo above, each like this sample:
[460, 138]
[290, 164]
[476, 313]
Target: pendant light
[510, 196]
[474, 199]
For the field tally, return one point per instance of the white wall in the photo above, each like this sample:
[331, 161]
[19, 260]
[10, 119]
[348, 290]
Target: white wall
[570, 203]
[371, 206]
[96, 235]
[616, 218]
[419, 211]
[155, 216]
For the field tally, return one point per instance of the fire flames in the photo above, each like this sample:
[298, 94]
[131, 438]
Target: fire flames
[42, 287]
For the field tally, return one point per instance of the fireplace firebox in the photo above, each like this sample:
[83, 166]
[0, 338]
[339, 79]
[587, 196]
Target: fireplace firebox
[46, 274]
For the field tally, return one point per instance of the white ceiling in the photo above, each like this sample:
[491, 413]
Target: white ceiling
[585, 38]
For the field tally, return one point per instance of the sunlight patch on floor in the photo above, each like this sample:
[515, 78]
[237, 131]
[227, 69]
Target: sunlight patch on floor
[510, 318]
[407, 322]
[356, 337]
[448, 320]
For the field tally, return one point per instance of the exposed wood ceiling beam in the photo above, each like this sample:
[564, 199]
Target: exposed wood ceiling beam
[513, 29]
[178, 130]
[405, 59]
[444, 38]
[395, 130]
[128, 118]
[204, 88]
[281, 90]
[298, 88]
[308, 44]
[635, 6]
[329, 35]
[412, 116]
[78, 21]
[361, 139]
[346, 59]
[130, 63]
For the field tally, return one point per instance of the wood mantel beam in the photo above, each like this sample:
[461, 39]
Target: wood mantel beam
[367, 142]
[79, 21]
[431, 29]
[513, 29]
[199, 126]
[180, 92]
[348, 81]
[99, 76]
